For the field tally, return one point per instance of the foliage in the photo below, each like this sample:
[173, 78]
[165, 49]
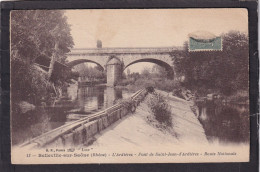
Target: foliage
[127, 103]
[178, 93]
[156, 77]
[159, 83]
[160, 109]
[159, 71]
[34, 33]
[125, 82]
[34, 87]
[134, 75]
[146, 73]
[144, 82]
[239, 96]
[165, 84]
[223, 71]
[128, 72]
[90, 71]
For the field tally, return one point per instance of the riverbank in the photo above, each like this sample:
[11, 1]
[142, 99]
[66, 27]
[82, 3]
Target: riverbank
[178, 89]
[136, 131]
[133, 139]
[148, 81]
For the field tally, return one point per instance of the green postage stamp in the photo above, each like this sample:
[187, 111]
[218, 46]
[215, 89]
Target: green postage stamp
[204, 41]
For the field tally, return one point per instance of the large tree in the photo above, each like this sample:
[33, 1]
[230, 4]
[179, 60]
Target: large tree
[223, 71]
[36, 33]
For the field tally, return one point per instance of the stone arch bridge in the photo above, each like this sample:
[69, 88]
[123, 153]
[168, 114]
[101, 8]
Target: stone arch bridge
[115, 60]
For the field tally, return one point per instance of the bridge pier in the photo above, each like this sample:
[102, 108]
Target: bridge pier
[114, 72]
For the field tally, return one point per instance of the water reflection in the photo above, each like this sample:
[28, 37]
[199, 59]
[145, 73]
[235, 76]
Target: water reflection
[33, 123]
[79, 102]
[226, 123]
[112, 95]
[92, 99]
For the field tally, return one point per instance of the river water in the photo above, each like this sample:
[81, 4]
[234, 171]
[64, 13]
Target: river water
[225, 123]
[79, 102]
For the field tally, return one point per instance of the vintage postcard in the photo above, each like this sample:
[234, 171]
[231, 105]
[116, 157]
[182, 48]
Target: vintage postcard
[129, 86]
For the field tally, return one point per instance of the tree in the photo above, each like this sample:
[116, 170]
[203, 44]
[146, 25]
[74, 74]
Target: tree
[128, 71]
[36, 33]
[159, 71]
[146, 72]
[224, 71]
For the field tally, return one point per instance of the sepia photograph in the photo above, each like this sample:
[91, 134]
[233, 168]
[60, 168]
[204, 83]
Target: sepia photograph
[129, 86]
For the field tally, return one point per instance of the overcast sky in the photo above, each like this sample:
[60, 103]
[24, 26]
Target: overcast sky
[150, 27]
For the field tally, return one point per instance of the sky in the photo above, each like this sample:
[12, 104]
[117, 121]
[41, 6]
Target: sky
[150, 27]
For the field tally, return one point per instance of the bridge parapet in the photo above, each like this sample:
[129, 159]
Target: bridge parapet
[106, 51]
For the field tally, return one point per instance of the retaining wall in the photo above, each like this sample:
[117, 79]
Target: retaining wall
[83, 135]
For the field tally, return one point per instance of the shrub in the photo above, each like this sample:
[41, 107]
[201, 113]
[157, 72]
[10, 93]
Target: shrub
[127, 103]
[150, 89]
[159, 83]
[178, 93]
[160, 109]
[240, 96]
[144, 82]
[165, 85]
[29, 84]
[125, 82]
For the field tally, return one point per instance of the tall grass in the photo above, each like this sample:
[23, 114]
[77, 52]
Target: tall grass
[159, 83]
[160, 109]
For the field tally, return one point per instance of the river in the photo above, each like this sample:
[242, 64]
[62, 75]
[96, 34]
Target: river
[79, 102]
[225, 122]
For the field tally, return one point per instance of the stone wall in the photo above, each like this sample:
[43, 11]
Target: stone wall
[83, 135]
[81, 132]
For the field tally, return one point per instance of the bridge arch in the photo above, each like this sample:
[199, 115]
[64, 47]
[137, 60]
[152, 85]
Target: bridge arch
[76, 62]
[166, 66]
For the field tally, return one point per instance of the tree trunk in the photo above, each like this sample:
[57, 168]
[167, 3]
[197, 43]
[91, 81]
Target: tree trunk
[53, 58]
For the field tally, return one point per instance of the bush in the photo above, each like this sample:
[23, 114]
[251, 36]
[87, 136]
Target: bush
[160, 109]
[150, 89]
[178, 93]
[158, 83]
[125, 82]
[223, 71]
[241, 96]
[165, 85]
[127, 103]
[144, 82]
[29, 83]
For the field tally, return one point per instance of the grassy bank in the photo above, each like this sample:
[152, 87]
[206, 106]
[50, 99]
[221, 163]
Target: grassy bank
[161, 111]
[176, 89]
[140, 83]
